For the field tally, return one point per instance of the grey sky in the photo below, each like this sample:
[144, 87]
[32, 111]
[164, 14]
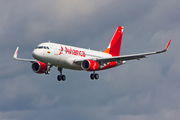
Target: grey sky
[139, 90]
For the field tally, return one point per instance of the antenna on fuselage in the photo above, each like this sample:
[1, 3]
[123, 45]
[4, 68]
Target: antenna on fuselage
[49, 41]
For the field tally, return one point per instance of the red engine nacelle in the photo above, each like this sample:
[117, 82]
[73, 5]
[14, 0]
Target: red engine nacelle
[39, 67]
[90, 65]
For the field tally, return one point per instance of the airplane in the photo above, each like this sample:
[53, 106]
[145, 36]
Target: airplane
[50, 54]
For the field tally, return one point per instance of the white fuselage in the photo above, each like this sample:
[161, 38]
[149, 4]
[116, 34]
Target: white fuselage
[64, 56]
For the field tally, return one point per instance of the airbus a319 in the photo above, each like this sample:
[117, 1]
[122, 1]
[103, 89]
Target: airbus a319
[50, 54]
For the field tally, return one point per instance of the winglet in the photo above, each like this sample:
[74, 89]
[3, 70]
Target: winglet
[168, 45]
[16, 53]
[21, 59]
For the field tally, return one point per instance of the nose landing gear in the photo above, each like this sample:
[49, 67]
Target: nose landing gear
[48, 68]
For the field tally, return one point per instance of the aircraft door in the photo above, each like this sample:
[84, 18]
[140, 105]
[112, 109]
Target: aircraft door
[56, 50]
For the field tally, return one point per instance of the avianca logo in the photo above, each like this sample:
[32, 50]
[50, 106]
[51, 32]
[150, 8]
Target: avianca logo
[72, 51]
[61, 50]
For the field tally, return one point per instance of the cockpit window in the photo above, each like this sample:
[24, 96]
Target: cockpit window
[42, 47]
[45, 47]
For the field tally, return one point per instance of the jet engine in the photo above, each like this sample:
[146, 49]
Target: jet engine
[39, 67]
[90, 65]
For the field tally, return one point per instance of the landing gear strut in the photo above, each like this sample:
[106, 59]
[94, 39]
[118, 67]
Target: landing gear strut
[48, 68]
[61, 77]
[94, 76]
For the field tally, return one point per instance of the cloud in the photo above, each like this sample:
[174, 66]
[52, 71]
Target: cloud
[145, 89]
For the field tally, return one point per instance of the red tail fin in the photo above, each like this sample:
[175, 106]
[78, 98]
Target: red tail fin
[115, 44]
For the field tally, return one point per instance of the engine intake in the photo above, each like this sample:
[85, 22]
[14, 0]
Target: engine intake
[39, 67]
[90, 65]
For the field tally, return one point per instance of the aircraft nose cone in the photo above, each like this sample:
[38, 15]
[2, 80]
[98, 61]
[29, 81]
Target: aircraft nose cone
[38, 54]
[34, 53]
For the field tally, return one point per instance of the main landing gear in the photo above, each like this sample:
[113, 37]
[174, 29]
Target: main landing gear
[61, 77]
[94, 76]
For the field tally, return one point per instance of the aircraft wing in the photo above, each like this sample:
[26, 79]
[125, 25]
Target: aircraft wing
[133, 56]
[127, 57]
[21, 59]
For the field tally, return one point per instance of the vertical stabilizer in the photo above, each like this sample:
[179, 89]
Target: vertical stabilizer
[115, 44]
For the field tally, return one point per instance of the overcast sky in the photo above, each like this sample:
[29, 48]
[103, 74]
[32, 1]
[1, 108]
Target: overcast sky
[148, 89]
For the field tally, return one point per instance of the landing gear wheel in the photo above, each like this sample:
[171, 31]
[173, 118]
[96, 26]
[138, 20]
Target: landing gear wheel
[92, 76]
[59, 77]
[96, 76]
[63, 77]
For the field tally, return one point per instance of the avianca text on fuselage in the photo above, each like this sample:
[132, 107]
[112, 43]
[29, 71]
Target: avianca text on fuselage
[75, 58]
[69, 50]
